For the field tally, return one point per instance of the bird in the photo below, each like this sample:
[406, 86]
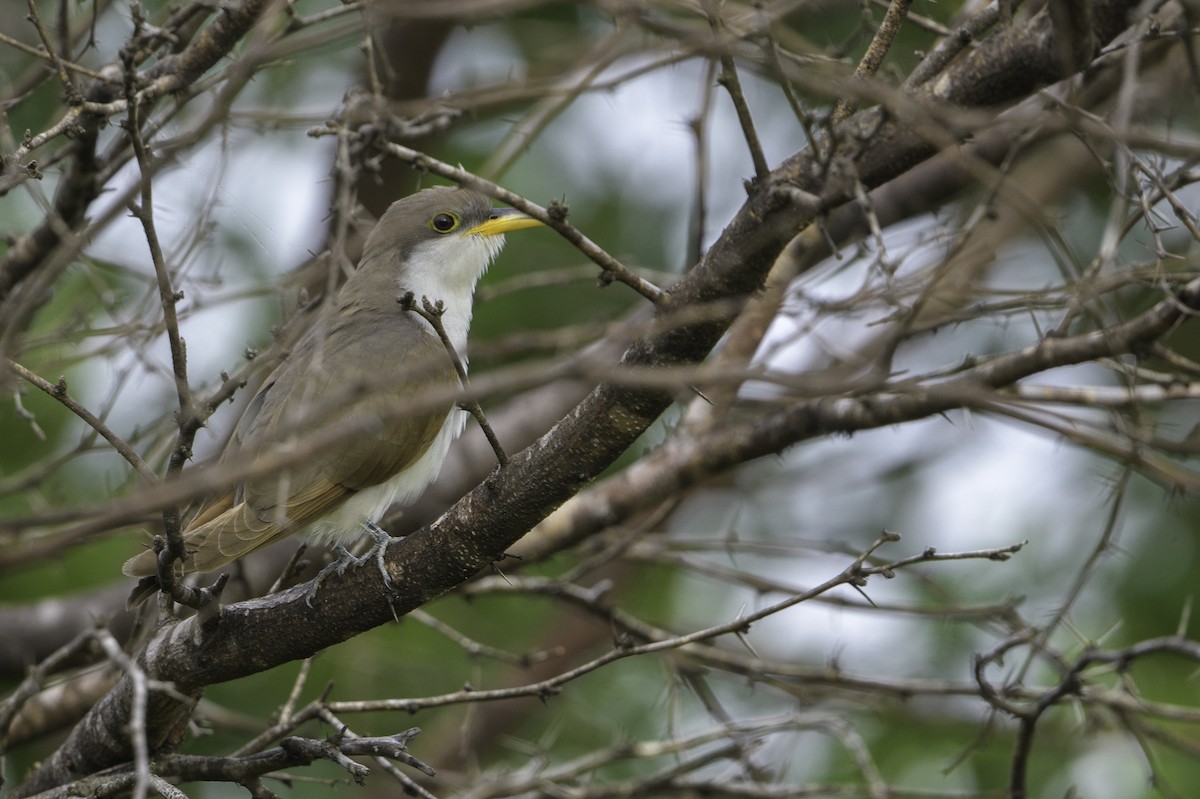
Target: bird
[358, 372]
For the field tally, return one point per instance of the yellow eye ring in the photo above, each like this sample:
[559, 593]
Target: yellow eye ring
[443, 222]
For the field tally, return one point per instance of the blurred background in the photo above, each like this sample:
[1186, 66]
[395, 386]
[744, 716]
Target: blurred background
[261, 197]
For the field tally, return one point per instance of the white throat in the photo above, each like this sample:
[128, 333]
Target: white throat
[448, 270]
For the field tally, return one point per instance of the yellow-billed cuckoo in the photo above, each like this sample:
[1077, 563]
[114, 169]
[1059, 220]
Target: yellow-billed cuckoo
[358, 371]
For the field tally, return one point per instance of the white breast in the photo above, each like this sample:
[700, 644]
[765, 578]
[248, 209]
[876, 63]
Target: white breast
[450, 277]
[345, 524]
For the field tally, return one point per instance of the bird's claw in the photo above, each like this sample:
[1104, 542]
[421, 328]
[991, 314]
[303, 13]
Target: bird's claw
[378, 551]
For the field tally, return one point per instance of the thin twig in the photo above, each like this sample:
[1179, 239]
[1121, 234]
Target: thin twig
[139, 691]
[475, 649]
[55, 60]
[699, 215]
[729, 79]
[555, 217]
[432, 312]
[592, 64]
[660, 641]
[58, 391]
[876, 51]
[188, 422]
[70, 89]
[954, 43]
[36, 679]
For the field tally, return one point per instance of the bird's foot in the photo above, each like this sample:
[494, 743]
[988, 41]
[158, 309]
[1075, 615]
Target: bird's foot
[378, 550]
[338, 567]
[381, 539]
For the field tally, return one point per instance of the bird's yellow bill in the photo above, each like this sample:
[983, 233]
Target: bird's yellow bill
[504, 220]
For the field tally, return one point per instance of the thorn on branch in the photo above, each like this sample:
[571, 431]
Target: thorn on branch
[859, 588]
[558, 210]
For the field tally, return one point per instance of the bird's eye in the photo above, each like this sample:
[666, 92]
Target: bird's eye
[444, 222]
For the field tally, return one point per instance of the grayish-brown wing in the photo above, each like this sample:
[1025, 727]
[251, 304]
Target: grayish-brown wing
[371, 381]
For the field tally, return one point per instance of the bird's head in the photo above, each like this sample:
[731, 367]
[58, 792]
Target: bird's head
[440, 241]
